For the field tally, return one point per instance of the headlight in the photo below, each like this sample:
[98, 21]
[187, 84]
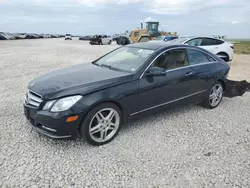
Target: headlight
[48, 105]
[64, 103]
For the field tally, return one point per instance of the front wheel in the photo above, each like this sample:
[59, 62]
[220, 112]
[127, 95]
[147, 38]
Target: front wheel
[215, 96]
[101, 124]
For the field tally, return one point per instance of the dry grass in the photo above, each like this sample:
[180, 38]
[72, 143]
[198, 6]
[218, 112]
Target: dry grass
[242, 47]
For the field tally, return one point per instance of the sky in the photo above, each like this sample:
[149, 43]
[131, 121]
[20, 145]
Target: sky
[84, 17]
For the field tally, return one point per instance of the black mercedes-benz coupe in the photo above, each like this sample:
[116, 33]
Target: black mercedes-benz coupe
[96, 98]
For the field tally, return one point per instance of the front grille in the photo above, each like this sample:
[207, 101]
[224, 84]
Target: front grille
[33, 99]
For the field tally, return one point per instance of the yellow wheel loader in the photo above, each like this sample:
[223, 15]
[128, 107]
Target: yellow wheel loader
[151, 32]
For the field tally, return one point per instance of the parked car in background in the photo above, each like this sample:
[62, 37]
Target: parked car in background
[100, 39]
[96, 98]
[166, 38]
[68, 37]
[85, 37]
[221, 48]
[122, 40]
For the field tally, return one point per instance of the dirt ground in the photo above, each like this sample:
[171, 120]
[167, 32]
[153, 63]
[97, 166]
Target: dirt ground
[240, 67]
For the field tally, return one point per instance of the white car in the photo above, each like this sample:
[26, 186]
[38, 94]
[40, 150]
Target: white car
[221, 48]
[106, 39]
[68, 37]
[100, 39]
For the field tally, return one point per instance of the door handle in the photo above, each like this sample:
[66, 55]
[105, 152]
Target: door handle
[189, 74]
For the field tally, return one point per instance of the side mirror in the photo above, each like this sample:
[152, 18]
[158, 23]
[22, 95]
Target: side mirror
[155, 71]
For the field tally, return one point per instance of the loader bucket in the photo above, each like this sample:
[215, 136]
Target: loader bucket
[236, 88]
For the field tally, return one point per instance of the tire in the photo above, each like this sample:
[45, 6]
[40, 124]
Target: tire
[118, 41]
[124, 41]
[101, 127]
[212, 102]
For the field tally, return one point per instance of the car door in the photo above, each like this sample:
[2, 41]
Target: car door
[203, 67]
[175, 86]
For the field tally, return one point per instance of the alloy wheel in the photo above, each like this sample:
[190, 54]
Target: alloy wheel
[104, 125]
[215, 95]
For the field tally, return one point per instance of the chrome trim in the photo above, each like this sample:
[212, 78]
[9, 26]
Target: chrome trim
[190, 66]
[33, 103]
[53, 130]
[33, 99]
[188, 47]
[35, 93]
[159, 105]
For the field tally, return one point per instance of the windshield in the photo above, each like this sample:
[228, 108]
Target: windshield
[125, 59]
[152, 26]
[178, 40]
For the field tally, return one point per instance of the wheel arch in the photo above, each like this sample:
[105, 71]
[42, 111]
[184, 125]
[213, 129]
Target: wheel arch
[224, 53]
[223, 83]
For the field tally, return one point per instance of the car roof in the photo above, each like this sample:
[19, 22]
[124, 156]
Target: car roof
[204, 36]
[155, 45]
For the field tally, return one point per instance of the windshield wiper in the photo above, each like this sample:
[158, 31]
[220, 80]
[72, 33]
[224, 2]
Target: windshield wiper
[107, 66]
[111, 68]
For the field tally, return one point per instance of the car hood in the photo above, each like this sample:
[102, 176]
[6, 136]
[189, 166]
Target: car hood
[79, 79]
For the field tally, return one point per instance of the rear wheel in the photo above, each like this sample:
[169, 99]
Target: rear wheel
[215, 96]
[101, 124]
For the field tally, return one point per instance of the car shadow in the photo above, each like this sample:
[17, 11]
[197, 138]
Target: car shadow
[154, 116]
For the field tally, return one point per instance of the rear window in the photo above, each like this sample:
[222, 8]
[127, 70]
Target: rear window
[210, 41]
[196, 57]
[67, 34]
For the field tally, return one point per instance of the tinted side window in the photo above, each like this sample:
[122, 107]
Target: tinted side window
[209, 41]
[196, 57]
[219, 42]
[194, 42]
[210, 58]
[172, 59]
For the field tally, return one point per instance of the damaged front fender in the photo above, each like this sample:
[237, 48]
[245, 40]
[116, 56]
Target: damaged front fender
[236, 88]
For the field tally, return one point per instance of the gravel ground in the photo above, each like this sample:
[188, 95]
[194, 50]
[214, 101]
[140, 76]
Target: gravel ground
[188, 147]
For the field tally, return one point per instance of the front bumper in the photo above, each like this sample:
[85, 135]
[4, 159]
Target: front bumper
[53, 125]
